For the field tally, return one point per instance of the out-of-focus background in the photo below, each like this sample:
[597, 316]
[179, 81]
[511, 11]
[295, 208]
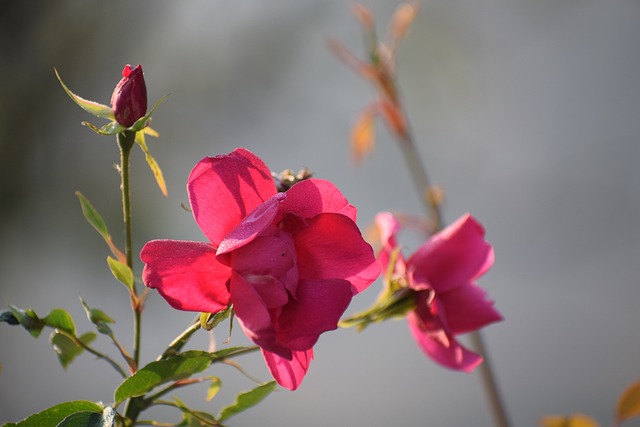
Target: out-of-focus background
[526, 113]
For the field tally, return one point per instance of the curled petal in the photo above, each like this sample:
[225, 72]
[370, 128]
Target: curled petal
[288, 372]
[312, 197]
[468, 308]
[186, 274]
[317, 308]
[255, 223]
[331, 247]
[223, 190]
[441, 346]
[455, 256]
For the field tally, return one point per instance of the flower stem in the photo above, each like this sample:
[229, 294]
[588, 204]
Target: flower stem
[96, 353]
[432, 206]
[177, 344]
[421, 180]
[126, 141]
[488, 380]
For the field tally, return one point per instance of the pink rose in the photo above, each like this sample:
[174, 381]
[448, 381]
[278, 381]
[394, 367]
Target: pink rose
[129, 98]
[288, 262]
[442, 272]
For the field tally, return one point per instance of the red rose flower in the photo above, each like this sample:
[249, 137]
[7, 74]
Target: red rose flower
[288, 262]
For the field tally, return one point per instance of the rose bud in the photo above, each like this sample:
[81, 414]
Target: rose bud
[129, 99]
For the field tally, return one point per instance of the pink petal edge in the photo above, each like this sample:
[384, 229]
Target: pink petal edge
[224, 189]
[186, 274]
[288, 373]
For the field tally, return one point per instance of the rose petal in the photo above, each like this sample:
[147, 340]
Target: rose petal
[254, 317]
[186, 274]
[317, 308]
[441, 346]
[331, 247]
[468, 309]
[254, 224]
[454, 256]
[268, 263]
[313, 196]
[388, 226]
[223, 190]
[288, 373]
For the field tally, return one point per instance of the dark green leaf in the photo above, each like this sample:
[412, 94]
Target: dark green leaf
[90, 419]
[122, 272]
[103, 328]
[7, 316]
[66, 349]
[247, 399]
[29, 320]
[82, 419]
[53, 416]
[98, 318]
[60, 319]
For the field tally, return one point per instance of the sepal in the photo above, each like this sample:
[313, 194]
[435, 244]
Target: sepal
[92, 107]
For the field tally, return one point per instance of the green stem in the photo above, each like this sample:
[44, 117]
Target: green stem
[96, 353]
[126, 141]
[136, 405]
[177, 344]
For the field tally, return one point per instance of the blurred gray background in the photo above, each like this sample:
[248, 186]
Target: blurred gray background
[526, 112]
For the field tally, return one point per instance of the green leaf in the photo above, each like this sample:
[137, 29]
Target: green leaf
[192, 418]
[122, 272]
[98, 318]
[247, 399]
[66, 349]
[214, 388]
[92, 107]
[90, 419]
[153, 165]
[95, 220]
[160, 372]
[29, 320]
[60, 319]
[53, 416]
[92, 216]
[143, 122]
[82, 419]
[178, 367]
[628, 405]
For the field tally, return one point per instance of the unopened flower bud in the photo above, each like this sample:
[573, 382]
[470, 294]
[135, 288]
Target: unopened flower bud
[129, 99]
